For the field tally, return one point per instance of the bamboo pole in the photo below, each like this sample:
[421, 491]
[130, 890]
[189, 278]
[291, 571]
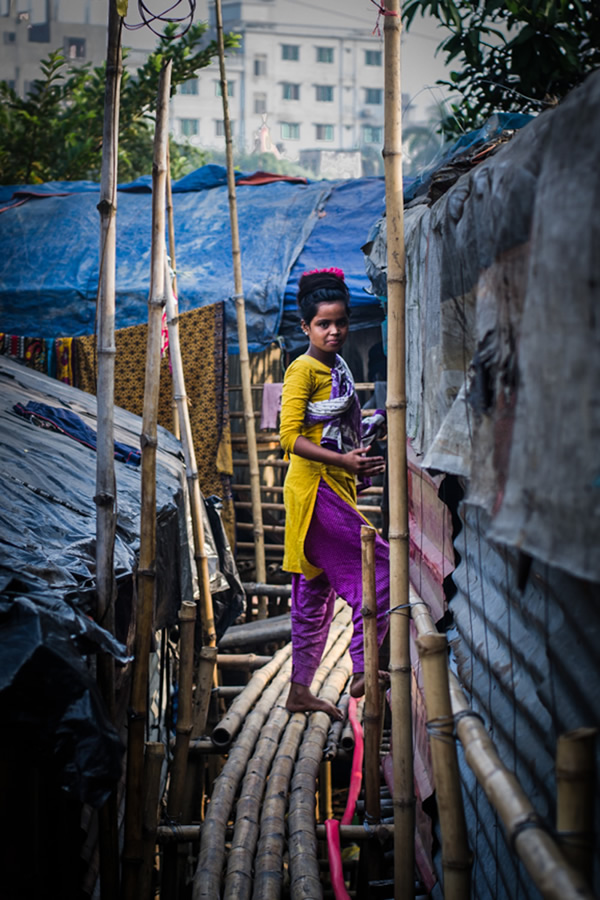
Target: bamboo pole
[225, 731]
[575, 793]
[207, 879]
[187, 444]
[132, 850]
[540, 854]
[153, 761]
[456, 856]
[268, 864]
[259, 538]
[105, 496]
[183, 730]
[400, 667]
[278, 628]
[372, 711]
[172, 255]
[302, 842]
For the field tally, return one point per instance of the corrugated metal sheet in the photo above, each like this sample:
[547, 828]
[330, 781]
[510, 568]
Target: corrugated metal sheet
[529, 661]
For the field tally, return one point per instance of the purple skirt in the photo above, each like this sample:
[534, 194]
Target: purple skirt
[333, 545]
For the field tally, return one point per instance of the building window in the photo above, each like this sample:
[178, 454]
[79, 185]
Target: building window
[39, 34]
[260, 64]
[291, 52]
[260, 103]
[290, 91]
[290, 131]
[189, 87]
[220, 127]
[324, 132]
[10, 37]
[374, 95]
[325, 54]
[188, 127]
[230, 89]
[324, 93]
[372, 57]
[75, 48]
[372, 134]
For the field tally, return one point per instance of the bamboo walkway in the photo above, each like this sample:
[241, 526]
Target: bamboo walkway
[258, 837]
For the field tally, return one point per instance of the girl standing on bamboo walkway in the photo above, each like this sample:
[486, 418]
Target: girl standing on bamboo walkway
[322, 433]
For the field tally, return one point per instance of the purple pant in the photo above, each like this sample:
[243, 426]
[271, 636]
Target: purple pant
[333, 544]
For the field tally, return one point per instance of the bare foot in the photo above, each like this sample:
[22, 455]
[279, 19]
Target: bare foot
[357, 687]
[300, 699]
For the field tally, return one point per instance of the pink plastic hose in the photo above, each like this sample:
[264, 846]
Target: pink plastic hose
[357, 763]
[332, 827]
[332, 830]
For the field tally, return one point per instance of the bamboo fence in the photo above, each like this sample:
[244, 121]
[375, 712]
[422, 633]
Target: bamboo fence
[132, 850]
[400, 666]
[539, 852]
[105, 497]
[258, 531]
[153, 762]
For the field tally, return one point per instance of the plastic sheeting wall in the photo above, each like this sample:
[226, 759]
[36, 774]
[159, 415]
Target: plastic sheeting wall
[529, 662]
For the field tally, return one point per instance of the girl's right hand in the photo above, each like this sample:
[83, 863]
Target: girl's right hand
[357, 463]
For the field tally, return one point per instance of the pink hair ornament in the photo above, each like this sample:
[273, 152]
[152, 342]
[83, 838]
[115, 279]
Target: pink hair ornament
[333, 271]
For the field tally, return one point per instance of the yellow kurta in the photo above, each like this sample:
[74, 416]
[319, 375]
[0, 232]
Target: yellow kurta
[306, 380]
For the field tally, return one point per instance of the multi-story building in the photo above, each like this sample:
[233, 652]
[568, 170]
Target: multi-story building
[308, 77]
[293, 85]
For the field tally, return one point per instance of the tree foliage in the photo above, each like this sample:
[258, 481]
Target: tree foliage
[512, 55]
[55, 133]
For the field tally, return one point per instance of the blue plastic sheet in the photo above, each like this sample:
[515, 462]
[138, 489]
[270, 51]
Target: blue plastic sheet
[49, 254]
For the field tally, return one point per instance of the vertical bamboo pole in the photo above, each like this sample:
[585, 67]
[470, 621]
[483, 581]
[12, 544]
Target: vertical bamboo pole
[259, 537]
[575, 793]
[171, 226]
[187, 443]
[372, 712]
[400, 668]
[105, 498]
[153, 761]
[132, 850]
[456, 856]
[183, 730]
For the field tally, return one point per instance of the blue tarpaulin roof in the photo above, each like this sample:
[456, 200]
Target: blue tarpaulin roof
[49, 249]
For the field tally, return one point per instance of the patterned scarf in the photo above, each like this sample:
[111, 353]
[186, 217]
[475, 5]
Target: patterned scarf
[343, 429]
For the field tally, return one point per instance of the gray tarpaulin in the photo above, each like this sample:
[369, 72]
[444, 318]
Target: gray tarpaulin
[503, 343]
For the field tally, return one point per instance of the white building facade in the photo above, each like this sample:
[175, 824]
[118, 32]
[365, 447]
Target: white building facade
[307, 79]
